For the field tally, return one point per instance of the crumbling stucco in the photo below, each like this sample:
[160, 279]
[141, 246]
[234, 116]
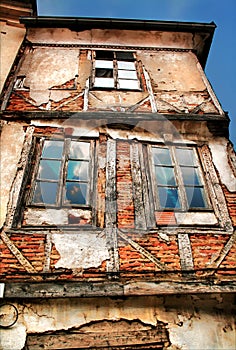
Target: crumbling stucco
[218, 149]
[192, 322]
[49, 67]
[12, 138]
[81, 250]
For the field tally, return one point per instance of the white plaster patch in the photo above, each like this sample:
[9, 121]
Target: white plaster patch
[36, 216]
[13, 338]
[50, 67]
[199, 218]
[220, 160]
[82, 250]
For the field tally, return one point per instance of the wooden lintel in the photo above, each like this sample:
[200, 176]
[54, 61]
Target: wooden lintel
[111, 116]
[32, 290]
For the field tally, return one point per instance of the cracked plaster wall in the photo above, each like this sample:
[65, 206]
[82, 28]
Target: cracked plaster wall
[80, 251]
[49, 67]
[219, 153]
[12, 138]
[115, 37]
[193, 322]
[11, 39]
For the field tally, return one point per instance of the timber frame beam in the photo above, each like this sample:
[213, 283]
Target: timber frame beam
[60, 289]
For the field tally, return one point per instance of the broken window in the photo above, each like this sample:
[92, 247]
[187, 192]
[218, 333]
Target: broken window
[115, 70]
[20, 83]
[63, 173]
[177, 178]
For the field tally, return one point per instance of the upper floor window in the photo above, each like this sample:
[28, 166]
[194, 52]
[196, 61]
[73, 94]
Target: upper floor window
[63, 173]
[115, 70]
[177, 178]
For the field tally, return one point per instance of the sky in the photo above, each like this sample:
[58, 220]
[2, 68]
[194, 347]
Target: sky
[221, 64]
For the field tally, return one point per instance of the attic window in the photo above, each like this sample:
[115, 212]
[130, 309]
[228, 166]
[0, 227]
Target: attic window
[115, 70]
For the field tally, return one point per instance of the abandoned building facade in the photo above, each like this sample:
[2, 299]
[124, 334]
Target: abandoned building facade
[118, 189]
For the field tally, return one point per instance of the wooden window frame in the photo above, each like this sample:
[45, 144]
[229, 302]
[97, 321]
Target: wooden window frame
[60, 201]
[114, 62]
[182, 196]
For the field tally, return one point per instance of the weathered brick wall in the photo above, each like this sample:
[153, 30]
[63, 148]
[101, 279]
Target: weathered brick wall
[125, 205]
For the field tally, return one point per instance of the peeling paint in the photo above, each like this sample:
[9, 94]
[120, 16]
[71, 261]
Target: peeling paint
[218, 149]
[81, 250]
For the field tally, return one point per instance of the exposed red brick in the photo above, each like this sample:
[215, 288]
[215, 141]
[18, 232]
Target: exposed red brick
[165, 218]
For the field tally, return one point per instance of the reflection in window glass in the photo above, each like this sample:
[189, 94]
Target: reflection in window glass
[45, 192]
[77, 170]
[190, 176]
[168, 197]
[49, 169]
[195, 197]
[76, 192]
[79, 150]
[161, 156]
[52, 149]
[165, 176]
[63, 172]
[185, 156]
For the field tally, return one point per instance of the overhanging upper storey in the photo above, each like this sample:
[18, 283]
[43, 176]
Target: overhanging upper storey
[165, 34]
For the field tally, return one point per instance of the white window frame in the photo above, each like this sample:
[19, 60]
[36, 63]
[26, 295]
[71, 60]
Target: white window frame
[122, 74]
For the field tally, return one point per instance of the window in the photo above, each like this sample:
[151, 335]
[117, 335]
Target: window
[177, 178]
[115, 70]
[62, 173]
[20, 83]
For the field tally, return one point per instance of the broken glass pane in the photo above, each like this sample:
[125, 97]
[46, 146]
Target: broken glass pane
[168, 197]
[161, 156]
[76, 192]
[52, 149]
[77, 170]
[104, 73]
[45, 192]
[104, 55]
[49, 169]
[79, 150]
[124, 55]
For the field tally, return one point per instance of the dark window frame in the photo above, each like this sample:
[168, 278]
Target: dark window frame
[60, 201]
[178, 176]
[115, 70]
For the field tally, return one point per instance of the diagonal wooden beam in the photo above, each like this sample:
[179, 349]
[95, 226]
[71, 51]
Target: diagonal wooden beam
[19, 256]
[215, 263]
[142, 251]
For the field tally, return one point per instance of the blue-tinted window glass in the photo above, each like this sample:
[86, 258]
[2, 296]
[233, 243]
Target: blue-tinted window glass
[168, 197]
[185, 156]
[49, 169]
[165, 176]
[161, 156]
[195, 197]
[52, 149]
[45, 192]
[79, 150]
[76, 192]
[190, 176]
[77, 170]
